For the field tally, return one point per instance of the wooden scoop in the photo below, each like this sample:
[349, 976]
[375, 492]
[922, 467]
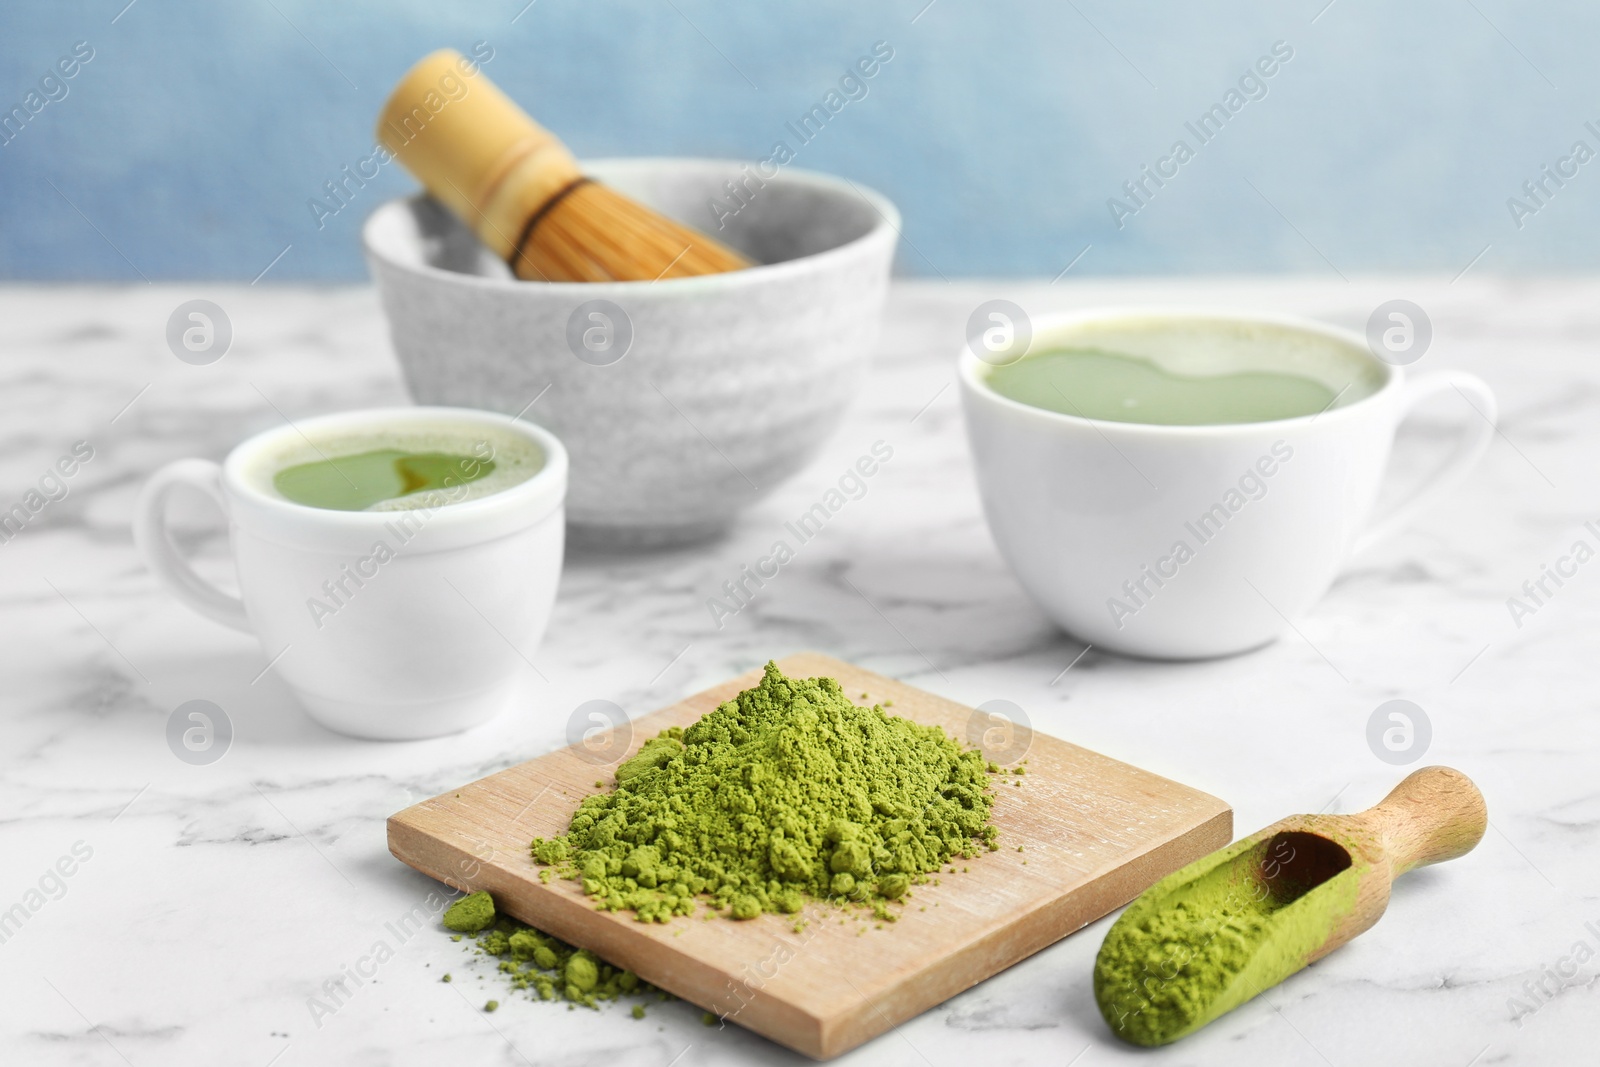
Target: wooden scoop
[1210, 936]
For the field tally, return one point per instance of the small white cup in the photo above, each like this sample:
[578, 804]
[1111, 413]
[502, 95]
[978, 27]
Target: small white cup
[420, 637]
[1089, 513]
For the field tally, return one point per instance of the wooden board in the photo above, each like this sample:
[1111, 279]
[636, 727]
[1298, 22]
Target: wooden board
[1095, 833]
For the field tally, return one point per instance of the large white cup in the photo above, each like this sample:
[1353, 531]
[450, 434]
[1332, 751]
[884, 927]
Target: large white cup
[391, 625]
[1090, 513]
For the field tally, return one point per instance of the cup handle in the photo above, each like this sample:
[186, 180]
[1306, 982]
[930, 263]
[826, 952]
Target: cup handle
[172, 571]
[1472, 444]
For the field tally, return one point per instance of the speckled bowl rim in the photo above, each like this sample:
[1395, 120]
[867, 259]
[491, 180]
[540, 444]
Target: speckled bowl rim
[886, 227]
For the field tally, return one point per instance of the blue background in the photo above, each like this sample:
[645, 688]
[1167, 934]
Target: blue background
[190, 145]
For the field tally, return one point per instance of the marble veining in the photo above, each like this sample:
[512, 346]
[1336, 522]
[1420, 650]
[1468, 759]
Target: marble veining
[207, 904]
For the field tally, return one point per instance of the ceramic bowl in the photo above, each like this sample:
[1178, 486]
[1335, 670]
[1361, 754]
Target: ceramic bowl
[680, 401]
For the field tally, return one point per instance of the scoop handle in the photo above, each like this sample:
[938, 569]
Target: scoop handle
[1436, 814]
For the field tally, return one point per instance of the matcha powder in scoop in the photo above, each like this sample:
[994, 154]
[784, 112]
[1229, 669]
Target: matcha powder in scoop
[1207, 938]
[786, 792]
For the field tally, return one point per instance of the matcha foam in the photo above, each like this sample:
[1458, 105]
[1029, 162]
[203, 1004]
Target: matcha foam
[788, 792]
[497, 459]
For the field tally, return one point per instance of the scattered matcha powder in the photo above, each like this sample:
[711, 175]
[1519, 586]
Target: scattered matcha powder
[471, 913]
[547, 968]
[786, 792]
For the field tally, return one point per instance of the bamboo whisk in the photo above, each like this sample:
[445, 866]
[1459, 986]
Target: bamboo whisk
[520, 189]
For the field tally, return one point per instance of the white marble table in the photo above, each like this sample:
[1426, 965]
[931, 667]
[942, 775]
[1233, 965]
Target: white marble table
[207, 904]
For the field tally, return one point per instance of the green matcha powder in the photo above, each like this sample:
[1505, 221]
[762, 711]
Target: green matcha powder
[546, 967]
[1210, 936]
[787, 792]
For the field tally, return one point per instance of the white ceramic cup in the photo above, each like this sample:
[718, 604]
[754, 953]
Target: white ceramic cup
[1090, 513]
[427, 633]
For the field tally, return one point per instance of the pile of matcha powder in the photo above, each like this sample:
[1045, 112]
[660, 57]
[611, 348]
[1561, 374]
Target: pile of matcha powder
[787, 792]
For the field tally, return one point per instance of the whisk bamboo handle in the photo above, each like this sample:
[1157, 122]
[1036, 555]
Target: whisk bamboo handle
[521, 191]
